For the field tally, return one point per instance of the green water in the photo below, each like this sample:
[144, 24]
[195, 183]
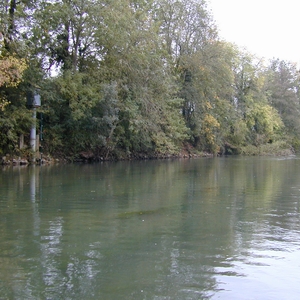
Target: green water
[217, 228]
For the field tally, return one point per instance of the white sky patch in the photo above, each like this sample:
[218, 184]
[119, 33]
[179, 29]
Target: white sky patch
[267, 28]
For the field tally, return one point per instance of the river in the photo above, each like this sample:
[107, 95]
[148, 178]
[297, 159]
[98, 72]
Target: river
[207, 228]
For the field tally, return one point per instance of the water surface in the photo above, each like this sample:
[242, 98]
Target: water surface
[217, 228]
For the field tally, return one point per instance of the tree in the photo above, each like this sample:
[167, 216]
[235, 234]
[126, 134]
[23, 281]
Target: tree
[13, 120]
[134, 77]
[251, 99]
[282, 86]
[62, 33]
[126, 100]
[11, 71]
[207, 87]
[186, 26]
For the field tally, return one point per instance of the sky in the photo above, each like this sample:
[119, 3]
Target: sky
[266, 28]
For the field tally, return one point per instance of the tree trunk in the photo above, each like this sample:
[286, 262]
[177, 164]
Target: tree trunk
[8, 37]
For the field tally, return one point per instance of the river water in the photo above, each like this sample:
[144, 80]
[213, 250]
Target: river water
[209, 228]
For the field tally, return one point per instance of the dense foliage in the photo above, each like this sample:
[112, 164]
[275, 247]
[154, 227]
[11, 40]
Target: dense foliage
[127, 78]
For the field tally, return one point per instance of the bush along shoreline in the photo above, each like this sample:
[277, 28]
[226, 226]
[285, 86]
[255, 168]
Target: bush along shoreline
[276, 149]
[94, 91]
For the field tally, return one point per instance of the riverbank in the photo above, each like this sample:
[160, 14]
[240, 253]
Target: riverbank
[89, 157]
[274, 149]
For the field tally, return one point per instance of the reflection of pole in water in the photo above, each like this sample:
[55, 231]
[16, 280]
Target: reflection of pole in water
[34, 182]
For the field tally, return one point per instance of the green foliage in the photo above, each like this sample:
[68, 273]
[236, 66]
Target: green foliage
[129, 78]
[86, 113]
[264, 121]
[295, 142]
[13, 122]
[279, 148]
[282, 86]
[238, 133]
[14, 117]
[206, 81]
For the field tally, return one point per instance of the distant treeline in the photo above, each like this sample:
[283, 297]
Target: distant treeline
[127, 78]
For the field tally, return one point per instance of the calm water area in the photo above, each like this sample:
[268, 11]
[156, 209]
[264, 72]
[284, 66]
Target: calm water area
[207, 228]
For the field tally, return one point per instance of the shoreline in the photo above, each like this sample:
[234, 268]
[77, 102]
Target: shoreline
[10, 161]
